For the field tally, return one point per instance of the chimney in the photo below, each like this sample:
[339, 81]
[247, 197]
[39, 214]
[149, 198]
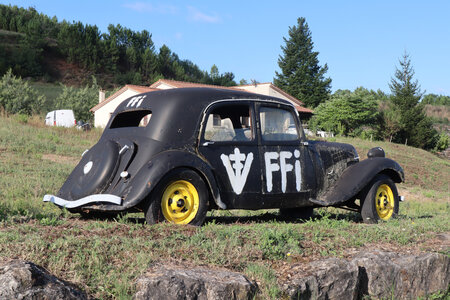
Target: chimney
[101, 96]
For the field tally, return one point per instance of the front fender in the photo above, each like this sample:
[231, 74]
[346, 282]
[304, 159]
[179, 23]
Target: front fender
[152, 172]
[356, 177]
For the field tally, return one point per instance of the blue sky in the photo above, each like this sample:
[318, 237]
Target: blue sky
[360, 41]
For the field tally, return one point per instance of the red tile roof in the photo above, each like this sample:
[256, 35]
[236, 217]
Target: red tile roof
[185, 84]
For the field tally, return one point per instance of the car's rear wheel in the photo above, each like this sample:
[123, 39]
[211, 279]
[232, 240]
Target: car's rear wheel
[180, 198]
[381, 201]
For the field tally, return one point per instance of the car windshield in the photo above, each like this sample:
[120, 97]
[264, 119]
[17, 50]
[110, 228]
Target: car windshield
[277, 124]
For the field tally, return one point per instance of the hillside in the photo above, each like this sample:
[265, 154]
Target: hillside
[34, 45]
[440, 115]
[423, 169]
[104, 257]
[52, 68]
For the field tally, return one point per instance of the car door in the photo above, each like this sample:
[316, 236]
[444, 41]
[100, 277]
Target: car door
[287, 170]
[229, 143]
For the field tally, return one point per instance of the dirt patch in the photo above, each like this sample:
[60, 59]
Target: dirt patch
[68, 73]
[61, 159]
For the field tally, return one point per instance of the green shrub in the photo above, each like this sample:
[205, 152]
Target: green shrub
[22, 118]
[79, 100]
[18, 97]
[443, 142]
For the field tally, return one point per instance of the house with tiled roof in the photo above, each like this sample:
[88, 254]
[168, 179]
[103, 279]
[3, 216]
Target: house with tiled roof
[103, 110]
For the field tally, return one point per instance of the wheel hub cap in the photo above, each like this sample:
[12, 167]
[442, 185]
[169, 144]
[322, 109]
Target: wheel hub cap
[180, 202]
[384, 202]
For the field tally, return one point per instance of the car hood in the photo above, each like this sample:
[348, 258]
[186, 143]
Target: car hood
[334, 159]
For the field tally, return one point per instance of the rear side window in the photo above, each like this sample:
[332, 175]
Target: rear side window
[229, 123]
[138, 118]
[277, 124]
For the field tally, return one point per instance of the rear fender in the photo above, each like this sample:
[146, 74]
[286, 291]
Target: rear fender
[356, 177]
[151, 173]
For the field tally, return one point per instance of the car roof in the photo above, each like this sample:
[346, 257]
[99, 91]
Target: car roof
[200, 97]
[176, 113]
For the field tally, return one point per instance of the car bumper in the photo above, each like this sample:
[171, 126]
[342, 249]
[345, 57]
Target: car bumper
[111, 199]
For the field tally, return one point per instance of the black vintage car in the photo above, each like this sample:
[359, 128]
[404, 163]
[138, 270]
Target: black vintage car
[175, 154]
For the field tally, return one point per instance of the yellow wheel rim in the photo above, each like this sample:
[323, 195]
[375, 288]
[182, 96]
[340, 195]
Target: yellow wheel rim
[384, 202]
[180, 202]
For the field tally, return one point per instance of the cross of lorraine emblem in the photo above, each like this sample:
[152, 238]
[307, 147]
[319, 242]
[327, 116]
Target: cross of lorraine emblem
[237, 170]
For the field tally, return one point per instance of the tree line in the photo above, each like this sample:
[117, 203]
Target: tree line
[130, 57]
[398, 117]
[127, 56]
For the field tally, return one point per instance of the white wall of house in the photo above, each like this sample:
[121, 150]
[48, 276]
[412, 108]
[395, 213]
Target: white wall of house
[103, 114]
[163, 86]
[265, 89]
[260, 88]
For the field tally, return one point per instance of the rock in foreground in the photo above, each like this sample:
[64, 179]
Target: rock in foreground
[327, 279]
[25, 280]
[171, 282]
[381, 275]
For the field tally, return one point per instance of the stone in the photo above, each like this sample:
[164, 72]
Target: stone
[377, 274]
[390, 275]
[25, 280]
[332, 279]
[172, 282]
[444, 237]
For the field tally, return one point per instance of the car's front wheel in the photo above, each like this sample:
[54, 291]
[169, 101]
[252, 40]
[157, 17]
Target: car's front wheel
[180, 198]
[381, 201]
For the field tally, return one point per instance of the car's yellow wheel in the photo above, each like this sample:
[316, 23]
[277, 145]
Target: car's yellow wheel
[381, 201]
[384, 202]
[180, 202]
[181, 197]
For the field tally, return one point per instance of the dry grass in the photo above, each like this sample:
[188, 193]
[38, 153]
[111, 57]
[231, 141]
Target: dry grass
[438, 111]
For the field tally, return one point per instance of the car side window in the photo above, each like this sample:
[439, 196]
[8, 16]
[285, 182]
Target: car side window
[138, 118]
[231, 122]
[277, 124]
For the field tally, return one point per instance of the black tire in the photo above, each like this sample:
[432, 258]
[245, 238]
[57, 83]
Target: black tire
[298, 213]
[381, 200]
[181, 197]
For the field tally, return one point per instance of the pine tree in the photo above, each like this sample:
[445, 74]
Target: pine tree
[415, 128]
[301, 76]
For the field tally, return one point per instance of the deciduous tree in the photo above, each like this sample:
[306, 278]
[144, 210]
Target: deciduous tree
[347, 112]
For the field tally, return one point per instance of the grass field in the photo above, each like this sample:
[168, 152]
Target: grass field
[104, 257]
[51, 91]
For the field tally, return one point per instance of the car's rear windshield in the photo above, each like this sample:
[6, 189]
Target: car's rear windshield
[136, 118]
